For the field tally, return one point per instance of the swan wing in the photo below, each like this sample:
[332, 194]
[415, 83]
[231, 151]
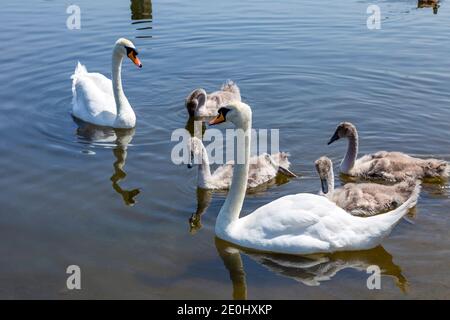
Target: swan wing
[93, 98]
[298, 224]
[260, 171]
[307, 223]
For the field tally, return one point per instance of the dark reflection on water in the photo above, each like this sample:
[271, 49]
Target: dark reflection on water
[429, 4]
[204, 197]
[142, 15]
[119, 139]
[120, 153]
[141, 9]
[309, 270]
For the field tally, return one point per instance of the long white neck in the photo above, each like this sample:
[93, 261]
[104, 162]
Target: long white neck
[233, 204]
[352, 152]
[204, 172]
[125, 114]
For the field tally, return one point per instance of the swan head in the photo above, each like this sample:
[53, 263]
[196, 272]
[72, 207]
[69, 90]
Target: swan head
[195, 100]
[323, 168]
[236, 112]
[126, 48]
[343, 130]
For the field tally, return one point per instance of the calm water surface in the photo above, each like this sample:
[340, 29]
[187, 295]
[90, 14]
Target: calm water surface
[113, 202]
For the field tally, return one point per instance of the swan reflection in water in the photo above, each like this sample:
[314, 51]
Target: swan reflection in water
[119, 139]
[429, 4]
[142, 16]
[204, 197]
[309, 270]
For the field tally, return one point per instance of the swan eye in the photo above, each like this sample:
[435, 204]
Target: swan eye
[132, 54]
[223, 111]
[131, 51]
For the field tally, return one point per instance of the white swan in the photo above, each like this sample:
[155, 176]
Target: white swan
[263, 168]
[390, 166]
[200, 104]
[363, 199]
[100, 101]
[294, 224]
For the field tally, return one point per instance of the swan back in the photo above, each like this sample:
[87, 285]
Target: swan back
[307, 223]
[368, 199]
[229, 92]
[199, 103]
[397, 166]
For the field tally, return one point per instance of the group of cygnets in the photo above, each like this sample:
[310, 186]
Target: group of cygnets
[356, 216]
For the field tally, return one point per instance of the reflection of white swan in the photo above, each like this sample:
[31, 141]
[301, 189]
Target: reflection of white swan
[363, 199]
[294, 224]
[99, 101]
[429, 4]
[120, 139]
[204, 197]
[390, 166]
[309, 270]
[263, 168]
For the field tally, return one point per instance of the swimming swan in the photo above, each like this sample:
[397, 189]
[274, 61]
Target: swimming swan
[390, 166]
[363, 199]
[99, 101]
[201, 104]
[294, 224]
[263, 168]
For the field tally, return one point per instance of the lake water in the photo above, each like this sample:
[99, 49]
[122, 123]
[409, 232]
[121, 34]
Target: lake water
[67, 192]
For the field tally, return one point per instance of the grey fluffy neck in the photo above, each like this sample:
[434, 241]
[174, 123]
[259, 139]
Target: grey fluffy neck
[352, 152]
[330, 182]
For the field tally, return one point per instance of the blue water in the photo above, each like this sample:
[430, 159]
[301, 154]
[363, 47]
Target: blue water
[67, 198]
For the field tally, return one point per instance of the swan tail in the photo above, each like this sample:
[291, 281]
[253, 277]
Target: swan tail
[406, 188]
[436, 168]
[282, 159]
[445, 169]
[391, 218]
[79, 71]
[232, 87]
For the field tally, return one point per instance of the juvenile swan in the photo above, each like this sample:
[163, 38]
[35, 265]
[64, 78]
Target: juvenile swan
[390, 166]
[99, 101]
[363, 199]
[200, 104]
[263, 168]
[295, 224]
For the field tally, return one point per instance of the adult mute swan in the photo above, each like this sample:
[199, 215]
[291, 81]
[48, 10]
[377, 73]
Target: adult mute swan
[263, 168]
[363, 199]
[390, 166]
[294, 224]
[100, 101]
[201, 104]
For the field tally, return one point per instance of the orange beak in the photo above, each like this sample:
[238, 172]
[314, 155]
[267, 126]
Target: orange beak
[135, 59]
[219, 119]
